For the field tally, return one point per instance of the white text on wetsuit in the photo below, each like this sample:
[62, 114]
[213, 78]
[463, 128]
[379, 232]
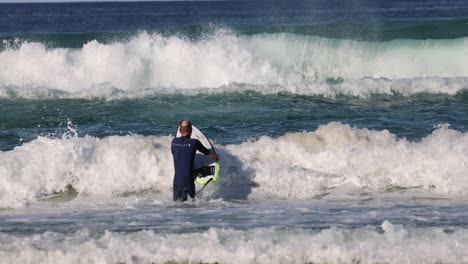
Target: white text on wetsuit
[182, 145]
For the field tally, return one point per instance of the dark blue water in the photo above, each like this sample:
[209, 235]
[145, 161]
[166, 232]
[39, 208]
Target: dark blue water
[73, 24]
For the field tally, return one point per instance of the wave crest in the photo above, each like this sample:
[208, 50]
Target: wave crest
[225, 61]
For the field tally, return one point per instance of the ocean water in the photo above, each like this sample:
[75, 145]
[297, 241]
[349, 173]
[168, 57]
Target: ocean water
[342, 130]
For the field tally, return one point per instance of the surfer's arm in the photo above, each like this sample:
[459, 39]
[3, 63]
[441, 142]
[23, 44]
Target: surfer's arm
[213, 155]
[202, 148]
[205, 151]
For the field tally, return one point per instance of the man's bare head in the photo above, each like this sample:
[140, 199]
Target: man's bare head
[185, 128]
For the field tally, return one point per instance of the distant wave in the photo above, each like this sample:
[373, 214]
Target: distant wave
[268, 63]
[295, 166]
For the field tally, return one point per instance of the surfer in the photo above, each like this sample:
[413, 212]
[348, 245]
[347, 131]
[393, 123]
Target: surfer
[183, 150]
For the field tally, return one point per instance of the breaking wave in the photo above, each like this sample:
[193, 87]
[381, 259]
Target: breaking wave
[294, 166]
[267, 63]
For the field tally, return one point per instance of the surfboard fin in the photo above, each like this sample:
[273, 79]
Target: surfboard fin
[205, 174]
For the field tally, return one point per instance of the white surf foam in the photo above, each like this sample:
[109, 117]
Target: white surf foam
[294, 166]
[267, 63]
[304, 165]
[396, 244]
[92, 166]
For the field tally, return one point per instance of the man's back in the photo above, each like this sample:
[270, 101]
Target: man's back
[183, 151]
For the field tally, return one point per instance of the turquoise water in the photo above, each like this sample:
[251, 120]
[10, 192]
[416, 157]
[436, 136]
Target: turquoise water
[238, 117]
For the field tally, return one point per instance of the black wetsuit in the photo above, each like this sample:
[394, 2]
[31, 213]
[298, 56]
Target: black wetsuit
[183, 151]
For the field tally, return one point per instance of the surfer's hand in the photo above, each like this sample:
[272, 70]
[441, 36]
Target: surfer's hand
[213, 155]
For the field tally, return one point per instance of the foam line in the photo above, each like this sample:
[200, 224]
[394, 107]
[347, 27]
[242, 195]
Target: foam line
[395, 244]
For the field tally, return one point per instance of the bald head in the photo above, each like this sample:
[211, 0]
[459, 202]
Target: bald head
[185, 128]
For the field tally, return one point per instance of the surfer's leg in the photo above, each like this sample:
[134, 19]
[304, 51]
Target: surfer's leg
[190, 191]
[180, 194]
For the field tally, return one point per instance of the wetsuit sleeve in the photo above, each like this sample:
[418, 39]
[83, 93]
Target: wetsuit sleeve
[172, 146]
[202, 148]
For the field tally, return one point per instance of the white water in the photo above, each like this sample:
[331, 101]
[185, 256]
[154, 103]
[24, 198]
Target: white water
[267, 63]
[294, 166]
[396, 244]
